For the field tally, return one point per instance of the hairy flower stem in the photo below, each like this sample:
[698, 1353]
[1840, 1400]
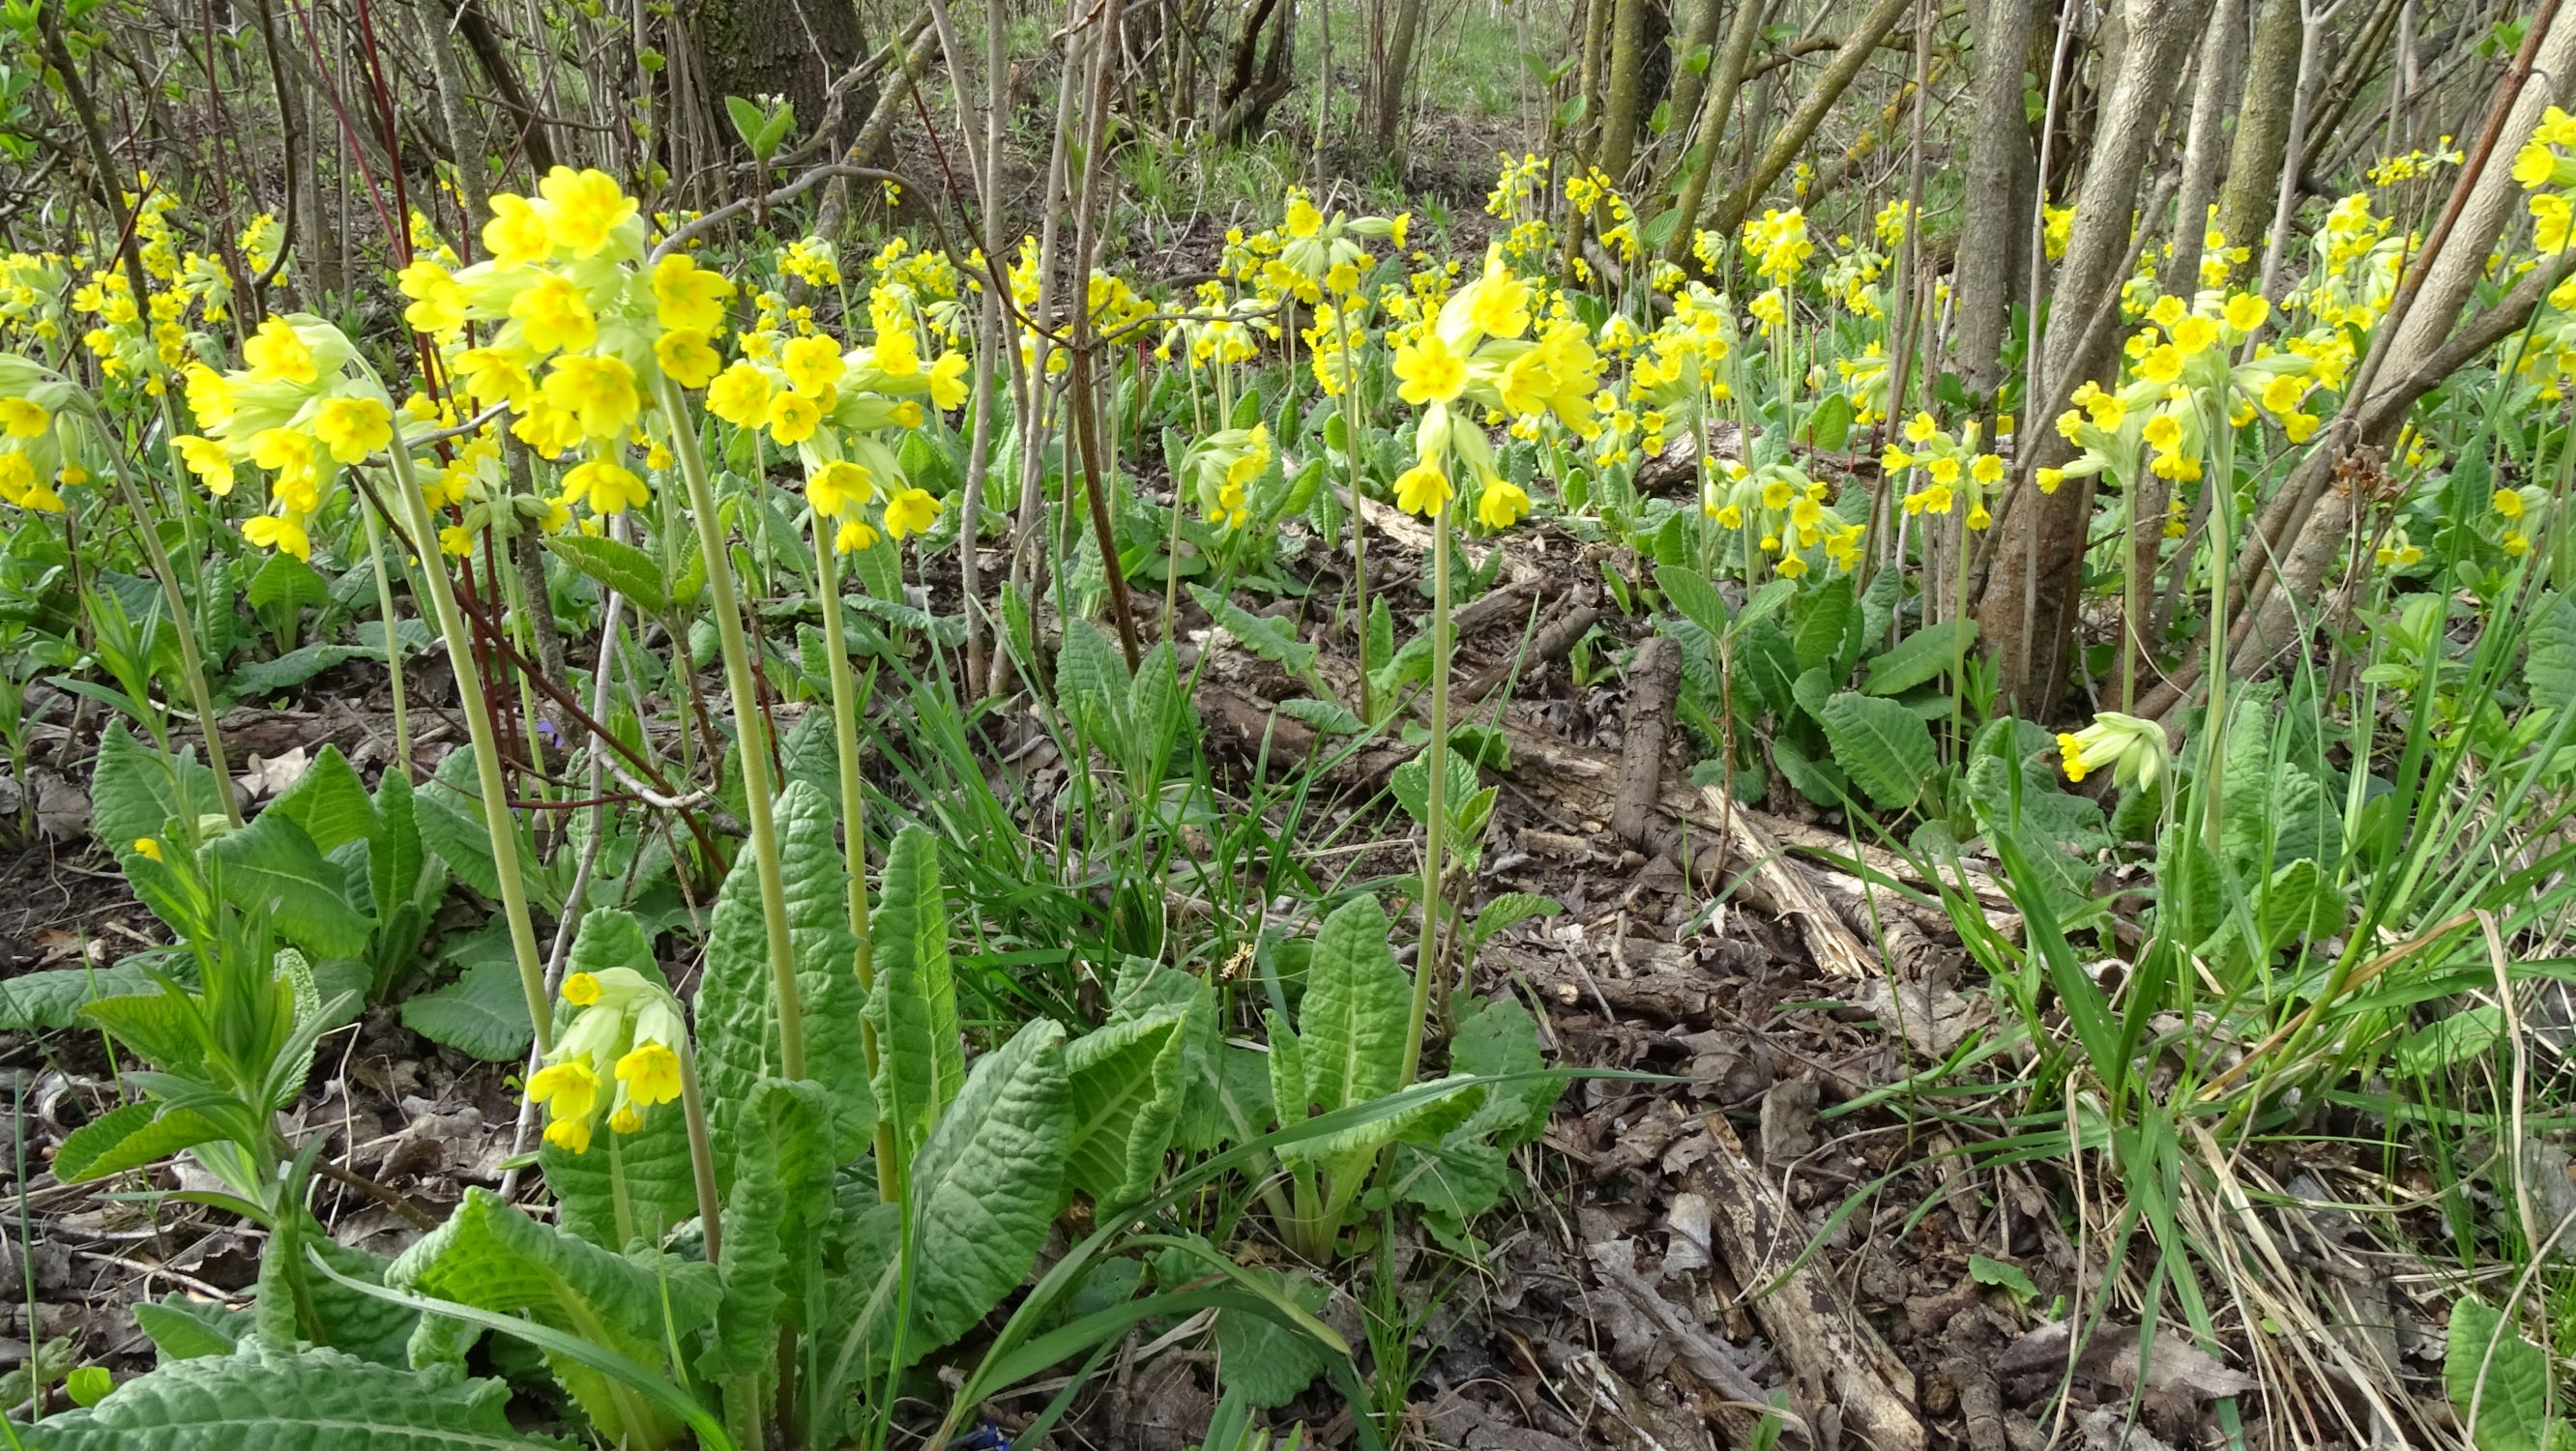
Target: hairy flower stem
[845, 740]
[1359, 522]
[393, 645]
[1435, 758]
[200, 699]
[702, 1154]
[757, 808]
[477, 706]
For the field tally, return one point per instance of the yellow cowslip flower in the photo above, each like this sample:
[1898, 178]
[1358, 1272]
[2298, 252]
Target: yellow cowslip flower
[1501, 503]
[495, 375]
[554, 316]
[853, 536]
[838, 487]
[352, 428]
[2508, 503]
[1422, 489]
[610, 488]
[650, 1074]
[2247, 311]
[597, 390]
[581, 989]
[582, 208]
[793, 417]
[948, 388]
[210, 395]
[2167, 312]
[286, 536]
[813, 365]
[910, 511]
[2162, 364]
[277, 355]
[149, 847]
[1938, 499]
[24, 418]
[686, 357]
[437, 300]
[2132, 748]
[740, 395]
[547, 429]
[687, 297]
[2195, 335]
[517, 235]
[1430, 372]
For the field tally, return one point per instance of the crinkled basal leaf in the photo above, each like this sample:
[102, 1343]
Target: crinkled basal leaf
[1347, 1150]
[1091, 685]
[329, 802]
[278, 1400]
[1145, 987]
[659, 1190]
[1274, 640]
[2551, 669]
[483, 1014]
[272, 865]
[491, 1256]
[782, 1222]
[984, 1187]
[184, 1329]
[1886, 748]
[1266, 1363]
[1453, 1182]
[1126, 1094]
[1158, 712]
[737, 1007]
[1351, 1026]
[2513, 1405]
[920, 1060]
[1495, 1038]
[54, 998]
[1921, 657]
[331, 1314]
[136, 792]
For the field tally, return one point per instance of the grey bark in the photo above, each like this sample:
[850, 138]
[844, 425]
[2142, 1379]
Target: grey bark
[2024, 609]
[2262, 124]
[1998, 156]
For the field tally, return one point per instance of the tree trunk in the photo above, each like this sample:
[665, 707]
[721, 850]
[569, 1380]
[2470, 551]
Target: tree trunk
[792, 49]
[2315, 511]
[1252, 89]
[1619, 109]
[2262, 125]
[2211, 99]
[1726, 81]
[1999, 155]
[1387, 129]
[1690, 85]
[1857, 44]
[2025, 609]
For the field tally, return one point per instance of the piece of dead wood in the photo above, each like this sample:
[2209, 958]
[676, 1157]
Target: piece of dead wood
[1782, 887]
[2175, 1371]
[1837, 1357]
[1654, 675]
[1551, 644]
[1745, 1401]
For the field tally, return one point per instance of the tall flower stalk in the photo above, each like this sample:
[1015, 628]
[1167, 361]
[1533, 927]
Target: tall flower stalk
[756, 783]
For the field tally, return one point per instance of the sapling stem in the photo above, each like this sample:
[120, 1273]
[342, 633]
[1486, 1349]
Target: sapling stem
[756, 784]
[1435, 758]
[477, 706]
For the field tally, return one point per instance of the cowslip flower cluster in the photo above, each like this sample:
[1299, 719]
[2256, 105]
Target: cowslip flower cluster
[2133, 750]
[1788, 514]
[2182, 380]
[38, 447]
[833, 407]
[1221, 468]
[1478, 349]
[1948, 470]
[622, 1052]
[295, 414]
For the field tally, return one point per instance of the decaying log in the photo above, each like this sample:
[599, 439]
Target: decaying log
[1653, 676]
[1839, 1360]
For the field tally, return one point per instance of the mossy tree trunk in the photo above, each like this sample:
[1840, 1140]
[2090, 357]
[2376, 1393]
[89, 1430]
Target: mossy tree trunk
[793, 49]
